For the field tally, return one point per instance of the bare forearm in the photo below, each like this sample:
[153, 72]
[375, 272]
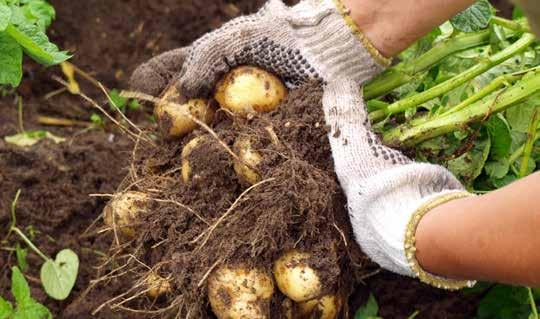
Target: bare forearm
[393, 25]
[494, 237]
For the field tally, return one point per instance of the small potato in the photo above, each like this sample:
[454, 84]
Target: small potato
[327, 307]
[248, 155]
[124, 210]
[158, 286]
[173, 119]
[249, 89]
[186, 151]
[240, 293]
[295, 278]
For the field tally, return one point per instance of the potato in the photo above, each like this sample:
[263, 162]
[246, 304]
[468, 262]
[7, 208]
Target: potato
[242, 147]
[326, 307]
[157, 285]
[248, 89]
[172, 119]
[240, 293]
[295, 278]
[186, 151]
[123, 211]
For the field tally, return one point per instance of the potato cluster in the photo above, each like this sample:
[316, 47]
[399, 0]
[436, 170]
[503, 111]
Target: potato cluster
[234, 291]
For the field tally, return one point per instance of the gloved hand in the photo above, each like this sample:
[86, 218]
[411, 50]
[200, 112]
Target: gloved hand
[316, 40]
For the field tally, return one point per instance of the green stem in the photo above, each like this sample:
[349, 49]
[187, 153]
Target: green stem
[405, 71]
[400, 106]
[376, 105]
[533, 303]
[409, 135]
[29, 243]
[512, 25]
[13, 215]
[531, 137]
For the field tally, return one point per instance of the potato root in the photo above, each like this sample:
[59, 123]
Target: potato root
[157, 286]
[249, 89]
[249, 156]
[186, 151]
[295, 278]
[123, 211]
[174, 120]
[327, 307]
[240, 293]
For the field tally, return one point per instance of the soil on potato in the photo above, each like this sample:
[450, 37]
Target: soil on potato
[109, 38]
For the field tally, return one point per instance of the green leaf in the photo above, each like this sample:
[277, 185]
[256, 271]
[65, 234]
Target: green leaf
[116, 101]
[503, 302]
[501, 139]
[21, 257]
[5, 16]
[497, 169]
[520, 115]
[32, 310]
[6, 309]
[58, 276]
[11, 55]
[30, 138]
[469, 166]
[19, 286]
[36, 44]
[475, 18]
[369, 310]
[42, 11]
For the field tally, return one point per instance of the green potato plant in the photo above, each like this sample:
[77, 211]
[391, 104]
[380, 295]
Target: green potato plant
[22, 31]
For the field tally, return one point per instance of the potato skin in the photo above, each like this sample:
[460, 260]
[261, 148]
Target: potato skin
[157, 286]
[172, 119]
[242, 147]
[240, 293]
[295, 278]
[327, 307]
[186, 151]
[248, 89]
[124, 210]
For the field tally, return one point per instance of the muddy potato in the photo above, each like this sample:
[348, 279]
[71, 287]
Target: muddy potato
[173, 120]
[240, 293]
[242, 147]
[295, 278]
[248, 89]
[186, 151]
[157, 286]
[327, 307]
[123, 211]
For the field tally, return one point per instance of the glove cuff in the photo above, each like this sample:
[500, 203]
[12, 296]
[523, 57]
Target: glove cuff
[355, 29]
[410, 241]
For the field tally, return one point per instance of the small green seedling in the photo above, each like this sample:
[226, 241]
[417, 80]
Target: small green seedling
[121, 103]
[22, 29]
[371, 310]
[29, 138]
[26, 306]
[57, 276]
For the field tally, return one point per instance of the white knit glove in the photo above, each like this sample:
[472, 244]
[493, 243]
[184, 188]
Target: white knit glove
[317, 40]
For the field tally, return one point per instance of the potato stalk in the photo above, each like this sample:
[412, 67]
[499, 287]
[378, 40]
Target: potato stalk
[408, 135]
[400, 106]
[531, 138]
[405, 71]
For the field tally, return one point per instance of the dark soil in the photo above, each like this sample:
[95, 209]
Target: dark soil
[109, 39]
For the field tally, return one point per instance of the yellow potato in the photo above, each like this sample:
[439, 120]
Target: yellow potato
[186, 151]
[249, 89]
[295, 278]
[174, 120]
[124, 210]
[242, 147]
[240, 293]
[327, 307]
[158, 286]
